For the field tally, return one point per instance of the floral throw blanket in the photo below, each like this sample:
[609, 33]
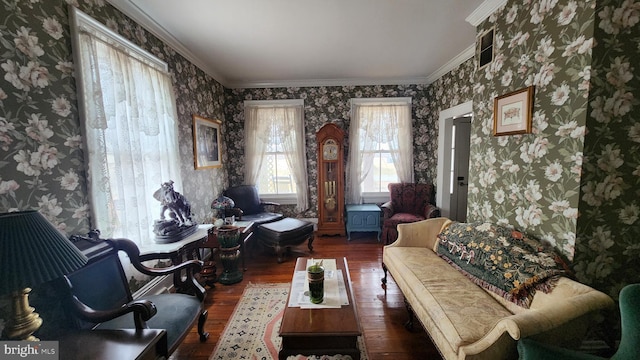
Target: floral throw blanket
[501, 259]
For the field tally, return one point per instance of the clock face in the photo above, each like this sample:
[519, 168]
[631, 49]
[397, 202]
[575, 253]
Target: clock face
[330, 150]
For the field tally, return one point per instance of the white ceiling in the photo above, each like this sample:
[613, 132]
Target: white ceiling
[260, 43]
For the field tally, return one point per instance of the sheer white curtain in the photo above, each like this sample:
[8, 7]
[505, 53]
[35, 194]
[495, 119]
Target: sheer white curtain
[291, 129]
[130, 128]
[256, 139]
[400, 139]
[374, 122]
[265, 119]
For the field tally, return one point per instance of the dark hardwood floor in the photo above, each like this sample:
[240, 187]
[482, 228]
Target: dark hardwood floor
[382, 313]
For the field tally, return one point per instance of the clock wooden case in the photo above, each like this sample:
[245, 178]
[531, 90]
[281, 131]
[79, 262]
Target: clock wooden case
[330, 140]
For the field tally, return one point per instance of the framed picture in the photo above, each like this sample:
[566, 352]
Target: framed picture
[512, 112]
[206, 143]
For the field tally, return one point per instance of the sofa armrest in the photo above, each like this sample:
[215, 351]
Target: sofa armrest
[421, 233]
[537, 321]
[387, 210]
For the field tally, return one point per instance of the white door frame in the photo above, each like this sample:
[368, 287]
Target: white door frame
[444, 142]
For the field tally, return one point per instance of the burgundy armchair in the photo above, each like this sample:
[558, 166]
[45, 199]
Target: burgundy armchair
[409, 203]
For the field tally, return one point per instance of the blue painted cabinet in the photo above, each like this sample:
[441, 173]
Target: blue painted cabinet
[365, 217]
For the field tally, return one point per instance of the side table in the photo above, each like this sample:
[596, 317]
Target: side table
[364, 217]
[177, 251]
[145, 344]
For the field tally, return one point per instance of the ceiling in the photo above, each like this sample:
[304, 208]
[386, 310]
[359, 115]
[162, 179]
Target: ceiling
[271, 43]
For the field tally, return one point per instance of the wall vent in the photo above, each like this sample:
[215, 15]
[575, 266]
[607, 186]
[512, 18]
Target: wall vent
[485, 48]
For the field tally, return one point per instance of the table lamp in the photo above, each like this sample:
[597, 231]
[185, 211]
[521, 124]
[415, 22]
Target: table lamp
[32, 252]
[222, 204]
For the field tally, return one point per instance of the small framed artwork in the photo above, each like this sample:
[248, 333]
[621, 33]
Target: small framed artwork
[512, 112]
[206, 143]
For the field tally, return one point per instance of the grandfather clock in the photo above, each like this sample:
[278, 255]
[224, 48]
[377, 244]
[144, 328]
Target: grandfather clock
[330, 140]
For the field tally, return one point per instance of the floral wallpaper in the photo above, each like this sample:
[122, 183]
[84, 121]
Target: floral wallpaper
[532, 181]
[41, 158]
[575, 180]
[608, 229]
[331, 104]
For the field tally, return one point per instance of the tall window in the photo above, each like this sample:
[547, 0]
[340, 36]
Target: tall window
[128, 118]
[380, 147]
[275, 150]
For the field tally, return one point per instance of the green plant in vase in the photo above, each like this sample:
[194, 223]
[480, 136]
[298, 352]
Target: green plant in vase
[315, 274]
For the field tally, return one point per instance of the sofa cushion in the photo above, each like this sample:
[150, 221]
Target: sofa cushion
[454, 307]
[501, 259]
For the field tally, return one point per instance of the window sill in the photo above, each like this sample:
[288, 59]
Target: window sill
[375, 198]
[282, 199]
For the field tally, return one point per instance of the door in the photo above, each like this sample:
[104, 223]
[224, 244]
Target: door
[461, 133]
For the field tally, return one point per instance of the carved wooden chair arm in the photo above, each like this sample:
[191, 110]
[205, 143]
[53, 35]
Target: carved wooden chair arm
[133, 252]
[142, 310]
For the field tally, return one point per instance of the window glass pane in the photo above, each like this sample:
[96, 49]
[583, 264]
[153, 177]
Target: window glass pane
[382, 173]
[276, 177]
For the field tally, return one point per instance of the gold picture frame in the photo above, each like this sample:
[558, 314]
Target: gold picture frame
[207, 150]
[512, 112]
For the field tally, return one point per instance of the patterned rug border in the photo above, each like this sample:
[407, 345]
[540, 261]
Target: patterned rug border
[281, 287]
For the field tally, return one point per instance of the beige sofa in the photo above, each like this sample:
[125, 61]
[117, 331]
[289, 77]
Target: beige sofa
[466, 322]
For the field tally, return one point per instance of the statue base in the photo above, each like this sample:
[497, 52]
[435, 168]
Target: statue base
[176, 235]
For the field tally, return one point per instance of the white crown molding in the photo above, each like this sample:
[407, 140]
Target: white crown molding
[130, 9]
[483, 11]
[271, 103]
[465, 55]
[326, 82]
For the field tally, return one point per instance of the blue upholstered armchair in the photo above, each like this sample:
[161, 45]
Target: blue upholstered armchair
[100, 298]
[249, 206]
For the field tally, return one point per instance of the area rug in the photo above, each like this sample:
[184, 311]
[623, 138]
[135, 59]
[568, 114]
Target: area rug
[252, 331]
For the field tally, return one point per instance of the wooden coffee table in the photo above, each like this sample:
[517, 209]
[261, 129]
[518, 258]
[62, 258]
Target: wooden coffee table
[329, 331]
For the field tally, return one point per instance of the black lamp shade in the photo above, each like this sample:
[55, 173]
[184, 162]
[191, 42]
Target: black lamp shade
[33, 251]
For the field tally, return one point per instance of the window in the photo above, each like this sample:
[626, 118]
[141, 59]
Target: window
[275, 150]
[380, 148]
[129, 125]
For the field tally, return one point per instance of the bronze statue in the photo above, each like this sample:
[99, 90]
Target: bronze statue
[180, 224]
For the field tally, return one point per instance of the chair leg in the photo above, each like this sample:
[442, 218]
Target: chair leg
[279, 253]
[201, 320]
[310, 243]
[384, 279]
[409, 324]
